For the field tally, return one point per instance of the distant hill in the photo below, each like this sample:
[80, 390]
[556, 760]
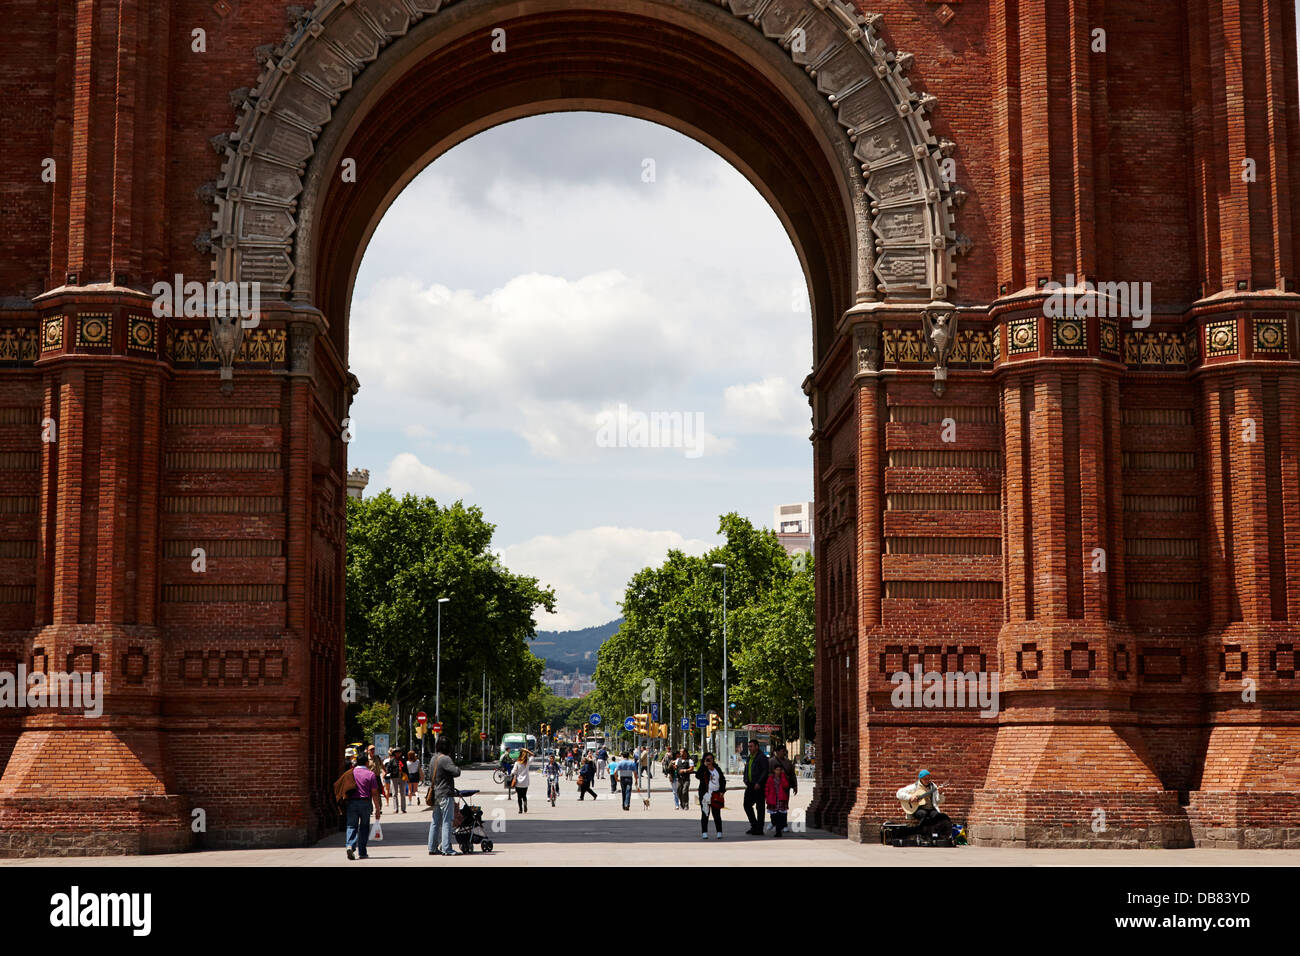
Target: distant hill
[569, 649]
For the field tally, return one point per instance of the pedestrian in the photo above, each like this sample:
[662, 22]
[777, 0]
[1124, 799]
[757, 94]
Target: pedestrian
[519, 779]
[552, 772]
[442, 788]
[359, 789]
[755, 788]
[627, 769]
[413, 776]
[684, 767]
[670, 772]
[585, 777]
[506, 765]
[644, 766]
[394, 772]
[613, 775]
[781, 758]
[602, 755]
[713, 784]
[778, 797]
[371, 760]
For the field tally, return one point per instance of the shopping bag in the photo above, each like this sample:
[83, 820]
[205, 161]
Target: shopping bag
[376, 832]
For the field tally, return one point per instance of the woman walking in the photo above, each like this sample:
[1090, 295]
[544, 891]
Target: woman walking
[413, 775]
[519, 779]
[585, 777]
[712, 786]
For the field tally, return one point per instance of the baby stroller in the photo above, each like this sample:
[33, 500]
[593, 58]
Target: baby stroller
[467, 825]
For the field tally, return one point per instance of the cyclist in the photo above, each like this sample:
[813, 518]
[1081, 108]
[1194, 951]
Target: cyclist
[552, 772]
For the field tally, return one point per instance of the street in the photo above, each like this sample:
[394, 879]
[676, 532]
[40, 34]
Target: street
[601, 833]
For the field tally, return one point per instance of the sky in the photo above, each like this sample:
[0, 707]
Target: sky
[526, 305]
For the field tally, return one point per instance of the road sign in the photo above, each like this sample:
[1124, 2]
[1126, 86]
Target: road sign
[421, 717]
[482, 735]
[654, 712]
[629, 724]
[437, 728]
[686, 723]
[594, 720]
[382, 743]
[701, 720]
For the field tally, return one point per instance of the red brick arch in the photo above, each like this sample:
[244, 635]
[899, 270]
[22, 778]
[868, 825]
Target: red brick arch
[962, 516]
[803, 97]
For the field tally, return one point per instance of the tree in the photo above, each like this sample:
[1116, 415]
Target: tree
[405, 553]
[673, 618]
[777, 639]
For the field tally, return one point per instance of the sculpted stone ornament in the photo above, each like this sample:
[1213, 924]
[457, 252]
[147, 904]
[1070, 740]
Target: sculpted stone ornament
[227, 333]
[866, 340]
[940, 323]
[301, 337]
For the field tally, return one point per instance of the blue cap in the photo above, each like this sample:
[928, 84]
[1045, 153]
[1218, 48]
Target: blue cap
[923, 773]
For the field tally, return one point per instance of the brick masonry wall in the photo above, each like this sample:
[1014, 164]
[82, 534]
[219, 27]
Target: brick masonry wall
[1121, 691]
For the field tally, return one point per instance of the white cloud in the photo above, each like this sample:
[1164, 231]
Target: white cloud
[774, 404]
[406, 473]
[589, 569]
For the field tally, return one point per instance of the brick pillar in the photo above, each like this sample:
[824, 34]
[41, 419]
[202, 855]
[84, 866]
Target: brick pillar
[1245, 137]
[97, 617]
[1069, 765]
[871, 417]
[1251, 773]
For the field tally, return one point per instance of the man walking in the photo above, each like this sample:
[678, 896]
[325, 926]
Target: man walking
[393, 768]
[442, 773]
[755, 788]
[365, 790]
[601, 756]
[627, 769]
[685, 768]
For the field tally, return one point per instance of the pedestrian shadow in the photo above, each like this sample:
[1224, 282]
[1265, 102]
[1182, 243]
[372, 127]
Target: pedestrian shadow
[538, 828]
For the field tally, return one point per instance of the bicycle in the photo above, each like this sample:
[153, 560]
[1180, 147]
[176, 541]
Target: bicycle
[499, 776]
[552, 790]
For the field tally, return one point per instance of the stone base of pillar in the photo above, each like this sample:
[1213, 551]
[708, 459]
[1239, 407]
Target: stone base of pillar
[93, 826]
[1250, 794]
[77, 792]
[1056, 784]
[1097, 819]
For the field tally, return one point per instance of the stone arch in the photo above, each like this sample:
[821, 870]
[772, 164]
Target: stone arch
[899, 206]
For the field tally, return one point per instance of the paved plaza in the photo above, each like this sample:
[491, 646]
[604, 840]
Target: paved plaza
[600, 832]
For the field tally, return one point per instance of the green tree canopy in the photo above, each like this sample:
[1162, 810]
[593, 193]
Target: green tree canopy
[673, 616]
[405, 553]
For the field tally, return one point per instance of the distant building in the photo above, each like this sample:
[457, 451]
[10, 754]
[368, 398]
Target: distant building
[358, 478]
[793, 524]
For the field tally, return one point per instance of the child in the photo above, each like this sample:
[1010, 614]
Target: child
[778, 798]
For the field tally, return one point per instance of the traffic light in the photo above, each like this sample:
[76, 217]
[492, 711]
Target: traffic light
[641, 724]
[714, 722]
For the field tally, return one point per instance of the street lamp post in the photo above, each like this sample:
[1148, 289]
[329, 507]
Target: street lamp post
[726, 706]
[437, 681]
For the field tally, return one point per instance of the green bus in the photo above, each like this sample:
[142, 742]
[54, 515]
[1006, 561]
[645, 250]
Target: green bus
[512, 744]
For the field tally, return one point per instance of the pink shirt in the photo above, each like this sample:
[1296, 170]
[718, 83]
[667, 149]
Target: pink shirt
[367, 783]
